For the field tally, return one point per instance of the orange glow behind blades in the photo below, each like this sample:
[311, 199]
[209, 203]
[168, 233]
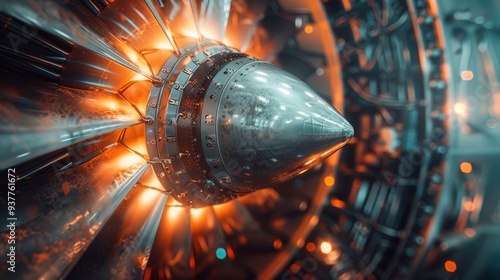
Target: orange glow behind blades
[164, 46]
[202, 218]
[174, 212]
[148, 196]
[122, 163]
[337, 203]
[223, 211]
[127, 160]
[111, 107]
[227, 41]
[139, 77]
[466, 167]
[111, 104]
[150, 180]
[136, 140]
[191, 33]
[197, 213]
[144, 202]
[141, 62]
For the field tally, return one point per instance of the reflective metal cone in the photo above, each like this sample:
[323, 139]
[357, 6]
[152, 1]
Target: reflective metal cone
[272, 127]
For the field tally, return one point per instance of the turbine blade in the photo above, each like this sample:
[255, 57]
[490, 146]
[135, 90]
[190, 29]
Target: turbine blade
[244, 17]
[73, 22]
[172, 256]
[36, 120]
[213, 17]
[122, 248]
[58, 216]
[175, 18]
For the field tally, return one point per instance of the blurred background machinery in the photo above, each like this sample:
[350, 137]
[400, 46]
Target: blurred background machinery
[411, 196]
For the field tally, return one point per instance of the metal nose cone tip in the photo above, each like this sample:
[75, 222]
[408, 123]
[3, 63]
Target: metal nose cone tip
[271, 127]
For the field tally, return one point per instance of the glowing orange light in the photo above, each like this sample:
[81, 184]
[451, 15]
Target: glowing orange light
[470, 232]
[467, 75]
[314, 220]
[224, 210]
[139, 61]
[459, 108]
[466, 167]
[230, 252]
[196, 212]
[310, 247]
[133, 56]
[192, 263]
[152, 181]
[139, 77]
[337, 203]
[329, 181]
[227, 41]
[174, 212]
[191, 33]
[469, 206]
[450, 266]
[277, 244]
[325, 247]
[136, 140]
[308, 29]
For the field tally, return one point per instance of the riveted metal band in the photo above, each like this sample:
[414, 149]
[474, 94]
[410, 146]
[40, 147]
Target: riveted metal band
[213, 109]
[176, 110]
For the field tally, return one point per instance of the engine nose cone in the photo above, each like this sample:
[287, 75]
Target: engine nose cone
[270, 127]
[225, 124]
